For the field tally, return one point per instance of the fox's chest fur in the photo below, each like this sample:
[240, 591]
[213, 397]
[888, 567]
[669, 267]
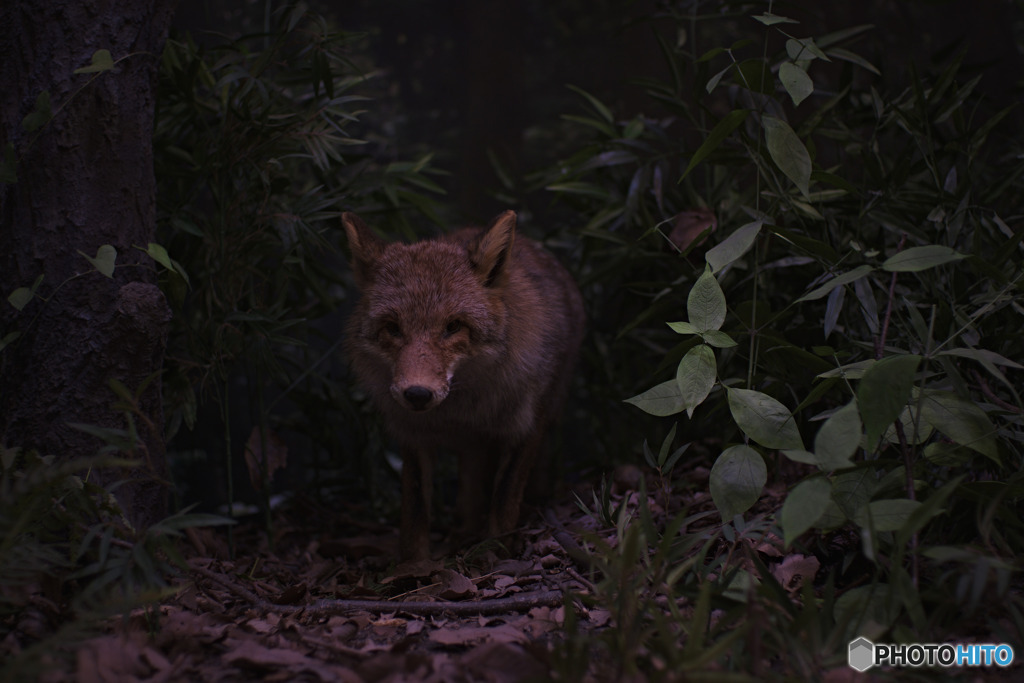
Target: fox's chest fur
[465, 343]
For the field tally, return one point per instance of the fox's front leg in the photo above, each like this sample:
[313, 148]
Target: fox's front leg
[417, 490]
[510, 483]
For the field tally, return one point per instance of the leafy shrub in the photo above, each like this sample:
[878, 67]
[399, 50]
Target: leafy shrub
[261, 143]
[69, 558]
[849, 323]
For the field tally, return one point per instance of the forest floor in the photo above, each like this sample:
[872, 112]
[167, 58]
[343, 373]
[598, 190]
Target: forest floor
[333, 605]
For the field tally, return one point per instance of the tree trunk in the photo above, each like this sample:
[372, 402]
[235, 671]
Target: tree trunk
[84, 179]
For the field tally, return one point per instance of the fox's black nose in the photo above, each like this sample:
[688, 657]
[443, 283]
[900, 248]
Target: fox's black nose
[418, 397]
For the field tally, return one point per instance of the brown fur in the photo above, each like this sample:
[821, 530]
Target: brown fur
[466, 344]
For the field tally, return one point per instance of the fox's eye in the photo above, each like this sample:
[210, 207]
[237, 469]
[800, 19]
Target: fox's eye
[392, 329]
[452, 327]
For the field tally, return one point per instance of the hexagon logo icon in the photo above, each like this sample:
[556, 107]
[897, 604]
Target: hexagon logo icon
[862, 654]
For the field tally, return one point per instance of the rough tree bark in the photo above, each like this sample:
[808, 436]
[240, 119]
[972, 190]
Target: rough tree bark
[83, 180]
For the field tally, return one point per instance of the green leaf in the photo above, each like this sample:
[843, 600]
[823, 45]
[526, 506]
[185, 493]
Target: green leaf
[661, 400]
[883, 393]
[803, 507]
[160, 255]
[732, 247]
[718, 339]
[598, 106]
[843, 279]
[853, 58]
[713, 81]
[801, 456]
[39, 116]
[961, 420]
[982, 356]
[769, 19]
[788, 152]
[683, 328]
[705, 304]
[804, 49]
[852, 490]
[104, 260]
[720, 132]
[20, 297]
[101, 61]
[850, 371]
[921, 258]
[764, 419]
[737, 479]
[838, 439]
[796, 82]
[8, 339]
[696, 375]
[885, 515]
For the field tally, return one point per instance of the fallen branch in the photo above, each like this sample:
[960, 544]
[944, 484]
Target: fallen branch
[516, 603]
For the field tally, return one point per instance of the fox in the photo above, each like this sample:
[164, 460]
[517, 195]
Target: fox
[465, 344]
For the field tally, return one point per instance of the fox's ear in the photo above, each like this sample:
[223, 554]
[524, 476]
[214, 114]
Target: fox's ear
[491, 254]
[365, 246]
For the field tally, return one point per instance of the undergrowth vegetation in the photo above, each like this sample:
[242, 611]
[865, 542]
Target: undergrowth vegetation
[849, 331]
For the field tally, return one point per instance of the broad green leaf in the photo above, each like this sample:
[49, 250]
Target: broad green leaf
[713, 81]
[101, 61]
[732, 247]
[683, 328]
[851, 490]
[720, 132]
[160, 255]
[883, 393]
[696, 375]
[885, 515]
[764, 419]
[796, 82]
[661, 400]
[838, 439]
[769, 19]
[843, 279]
[20, 297]
[737, 479]
[804, 49]
[8, 338]
[42, 113]
[916, 259]
[104, 260]
[804, 506]
[851, 370]
[800, 455]
[961, 420]
[788, 152]
[705, 304]
[718, 339]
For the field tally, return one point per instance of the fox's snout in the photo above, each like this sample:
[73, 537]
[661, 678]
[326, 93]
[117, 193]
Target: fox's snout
[421, 378]
[416, 397]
